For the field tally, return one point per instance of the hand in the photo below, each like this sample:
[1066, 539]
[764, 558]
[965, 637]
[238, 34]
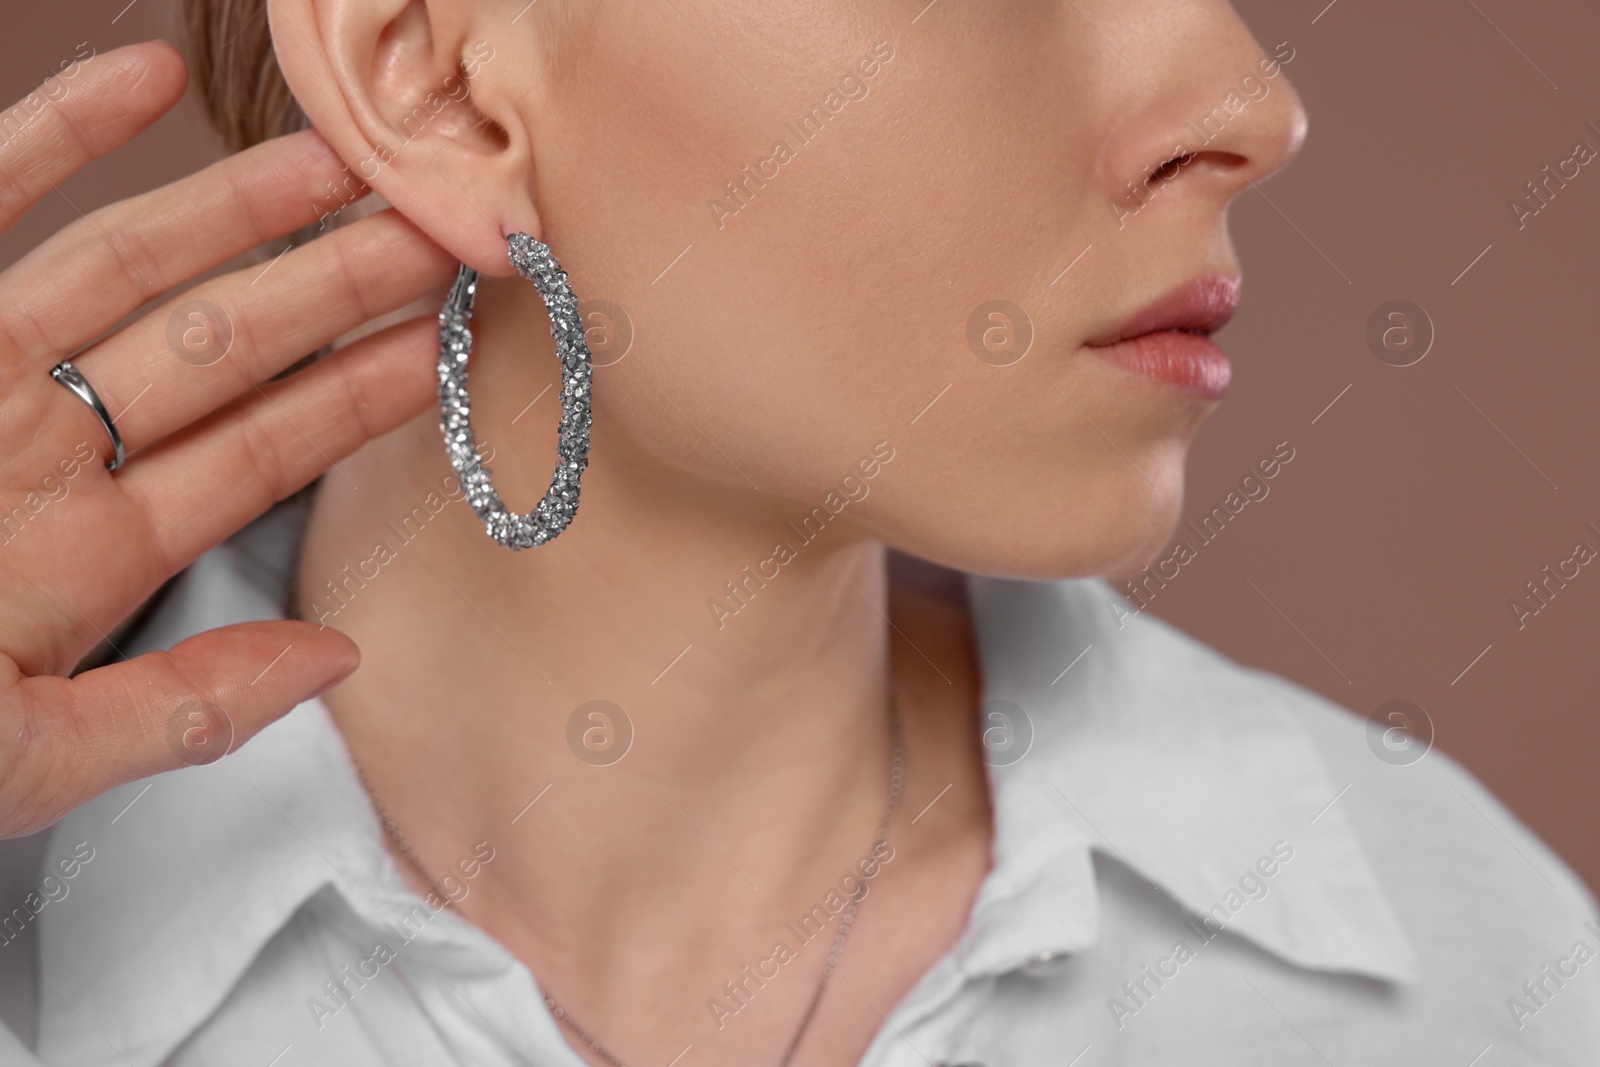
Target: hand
[209, 448]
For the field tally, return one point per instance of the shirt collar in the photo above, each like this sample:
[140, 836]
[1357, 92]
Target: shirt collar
[1156, 752]
[1125, 738]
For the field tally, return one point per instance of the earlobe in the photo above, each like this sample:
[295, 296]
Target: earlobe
[395, 86]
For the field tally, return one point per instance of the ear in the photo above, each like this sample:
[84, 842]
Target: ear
[421, 109]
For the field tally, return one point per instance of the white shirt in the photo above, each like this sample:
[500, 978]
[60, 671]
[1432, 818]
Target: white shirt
[1360, 912]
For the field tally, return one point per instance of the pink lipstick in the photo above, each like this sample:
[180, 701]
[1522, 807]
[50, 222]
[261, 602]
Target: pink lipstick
[1170, 340]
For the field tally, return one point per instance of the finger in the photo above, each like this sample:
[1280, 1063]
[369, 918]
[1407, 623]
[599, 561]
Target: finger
[89, 276]
[197, 488]
[316, 294]
[70, 120]
[190, 705]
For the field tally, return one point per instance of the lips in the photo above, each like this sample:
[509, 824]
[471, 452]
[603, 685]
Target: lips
[1169, 340]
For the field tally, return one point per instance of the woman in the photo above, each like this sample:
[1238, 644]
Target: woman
[687, 783]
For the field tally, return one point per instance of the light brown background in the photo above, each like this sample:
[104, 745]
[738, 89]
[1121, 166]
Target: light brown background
[1390, 547]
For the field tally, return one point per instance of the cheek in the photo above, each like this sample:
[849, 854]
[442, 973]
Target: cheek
[792, 309]
[777, 313]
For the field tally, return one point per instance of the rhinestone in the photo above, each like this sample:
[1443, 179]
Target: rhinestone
[534, 261]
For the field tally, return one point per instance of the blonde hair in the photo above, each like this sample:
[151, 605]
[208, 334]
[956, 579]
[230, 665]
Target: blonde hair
[231, 62]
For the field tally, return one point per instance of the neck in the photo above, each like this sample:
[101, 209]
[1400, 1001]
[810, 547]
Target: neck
[632, 607]
[758, 764]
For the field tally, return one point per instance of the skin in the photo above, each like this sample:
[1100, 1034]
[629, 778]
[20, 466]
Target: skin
[829, 314]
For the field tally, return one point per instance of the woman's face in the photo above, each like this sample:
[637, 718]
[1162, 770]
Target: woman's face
[837, 223]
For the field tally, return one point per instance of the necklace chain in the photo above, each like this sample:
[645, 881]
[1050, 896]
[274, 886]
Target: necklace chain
[847, 917]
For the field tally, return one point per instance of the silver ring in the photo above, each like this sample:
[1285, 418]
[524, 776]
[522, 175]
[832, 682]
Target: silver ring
[71, 377]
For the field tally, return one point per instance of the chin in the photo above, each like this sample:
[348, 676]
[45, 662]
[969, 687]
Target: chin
[1110, 526]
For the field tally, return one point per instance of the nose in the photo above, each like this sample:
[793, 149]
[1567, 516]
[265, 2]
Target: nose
[1223, 114]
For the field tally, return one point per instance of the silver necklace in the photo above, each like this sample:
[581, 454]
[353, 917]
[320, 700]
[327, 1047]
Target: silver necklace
[847, 917]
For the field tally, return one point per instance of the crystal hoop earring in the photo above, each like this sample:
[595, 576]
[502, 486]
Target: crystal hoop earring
[534, 261]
